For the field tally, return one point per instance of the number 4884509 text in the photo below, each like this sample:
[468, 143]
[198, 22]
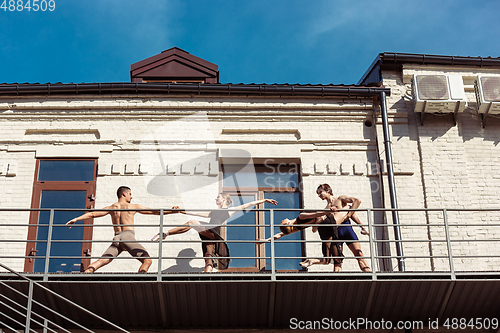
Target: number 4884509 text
[28, 5]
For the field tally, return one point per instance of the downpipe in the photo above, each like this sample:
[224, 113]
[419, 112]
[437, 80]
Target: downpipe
[392, 184]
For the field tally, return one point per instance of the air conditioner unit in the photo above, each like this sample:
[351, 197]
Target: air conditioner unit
[488, 94]
[438, 93]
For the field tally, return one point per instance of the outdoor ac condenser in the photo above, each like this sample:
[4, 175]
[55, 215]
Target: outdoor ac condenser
[438, 93]
[488, 94]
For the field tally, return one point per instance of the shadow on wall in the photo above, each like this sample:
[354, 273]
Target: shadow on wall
[437, 125]
[434, 125]
[379, 217]
[470, 127]
[368, 129]
[182, 264]
[377, 198]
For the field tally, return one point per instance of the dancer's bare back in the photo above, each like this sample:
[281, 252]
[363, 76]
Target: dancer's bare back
[123, 220]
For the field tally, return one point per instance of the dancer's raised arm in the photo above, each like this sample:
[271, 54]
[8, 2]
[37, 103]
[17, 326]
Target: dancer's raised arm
[89, 215]
[355, 202]
[155, 211]
[253, 203]
[199, 214]
[356, 219]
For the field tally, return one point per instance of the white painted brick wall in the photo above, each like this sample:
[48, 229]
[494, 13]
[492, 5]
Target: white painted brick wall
[438, 164]
[459, 170]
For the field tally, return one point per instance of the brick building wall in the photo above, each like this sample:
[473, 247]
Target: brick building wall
[177, 142]
[454, 165]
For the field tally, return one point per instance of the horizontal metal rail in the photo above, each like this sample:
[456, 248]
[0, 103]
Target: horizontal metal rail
[375, 241]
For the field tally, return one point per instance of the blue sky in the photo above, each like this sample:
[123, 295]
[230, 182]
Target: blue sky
[282, 41]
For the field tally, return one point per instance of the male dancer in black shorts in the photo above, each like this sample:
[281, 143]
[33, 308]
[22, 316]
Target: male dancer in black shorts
[328, 234]
[324, 192]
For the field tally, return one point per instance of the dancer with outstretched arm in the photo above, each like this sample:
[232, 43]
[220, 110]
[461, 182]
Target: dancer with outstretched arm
[123, 225]
[211, 230]
[329, 234]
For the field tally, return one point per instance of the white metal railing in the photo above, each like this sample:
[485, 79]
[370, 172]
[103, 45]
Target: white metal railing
[451, 240]
[438, 224]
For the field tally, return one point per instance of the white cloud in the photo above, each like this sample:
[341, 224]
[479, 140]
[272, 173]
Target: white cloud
[336, 14]
[143, 24]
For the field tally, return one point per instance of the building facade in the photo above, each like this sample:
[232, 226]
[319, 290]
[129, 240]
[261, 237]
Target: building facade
[416, 140]
[444, 136]
[177, 137]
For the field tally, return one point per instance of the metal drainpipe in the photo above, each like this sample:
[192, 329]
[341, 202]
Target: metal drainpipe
[392, 185]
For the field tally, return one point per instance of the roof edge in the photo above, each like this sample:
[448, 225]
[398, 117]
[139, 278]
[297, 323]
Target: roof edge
[183, 88]
[395, 59]
[370, 69]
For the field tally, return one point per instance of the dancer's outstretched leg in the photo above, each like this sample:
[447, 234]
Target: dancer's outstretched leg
[177, 230]
[356, 250]
[208, 250]
[309, 262]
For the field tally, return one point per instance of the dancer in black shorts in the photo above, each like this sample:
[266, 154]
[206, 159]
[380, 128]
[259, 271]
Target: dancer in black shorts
[328, 233]
[347, 235]
[330, 248]
[211, 230]
[325, 192]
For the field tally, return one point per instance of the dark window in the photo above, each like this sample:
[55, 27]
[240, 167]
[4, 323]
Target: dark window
[254, 182]
[281, 249]
[64, 184]
[60, 232]
[60, 170]
[268, 176]
[242, 233]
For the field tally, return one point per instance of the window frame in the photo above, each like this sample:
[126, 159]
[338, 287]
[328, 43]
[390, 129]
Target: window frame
[39, 186]
[259, 192]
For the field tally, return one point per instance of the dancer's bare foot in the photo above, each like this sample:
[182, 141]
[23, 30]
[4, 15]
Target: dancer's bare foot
[306, 263]
[157, 237]
[90, 269]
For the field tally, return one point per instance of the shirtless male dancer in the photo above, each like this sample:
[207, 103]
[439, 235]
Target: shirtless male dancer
[123, 225]
[332, 248]
[324, 192]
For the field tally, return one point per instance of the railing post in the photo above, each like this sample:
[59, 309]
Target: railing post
[273, 264]
[448, 242]
[372, 245]
[45, 325]
[28, 308]
[160, 247]
[47, 249]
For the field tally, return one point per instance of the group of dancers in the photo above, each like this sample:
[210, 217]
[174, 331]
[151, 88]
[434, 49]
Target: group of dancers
[332, 225]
